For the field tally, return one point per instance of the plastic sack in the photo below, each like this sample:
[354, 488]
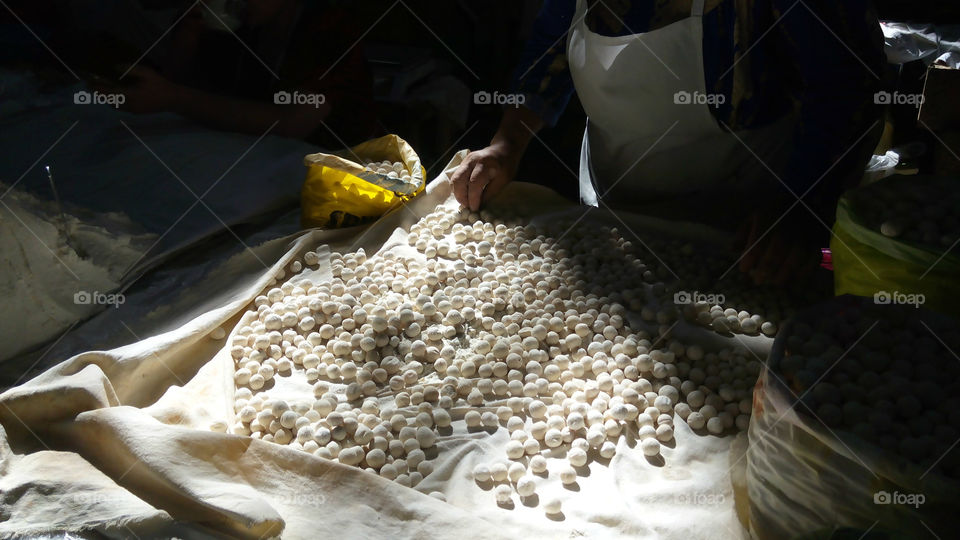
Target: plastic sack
[881, 167]
[338, 192]
[867, 263]
[908, 42]
[806, 480]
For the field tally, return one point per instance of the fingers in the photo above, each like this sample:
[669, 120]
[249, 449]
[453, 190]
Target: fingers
[496, 184]
[471, 179]
[479, 179]
[460, 180]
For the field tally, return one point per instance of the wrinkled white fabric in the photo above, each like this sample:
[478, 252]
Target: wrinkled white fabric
[118, 442]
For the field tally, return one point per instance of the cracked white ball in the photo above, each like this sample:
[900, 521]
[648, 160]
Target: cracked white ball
[503, 493]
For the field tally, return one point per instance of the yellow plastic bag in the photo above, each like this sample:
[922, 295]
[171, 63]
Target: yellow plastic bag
[867, 263]
[338, 192]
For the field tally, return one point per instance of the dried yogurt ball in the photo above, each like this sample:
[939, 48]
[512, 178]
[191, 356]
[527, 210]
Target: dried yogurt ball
[552, 506]
[426, 437]
[568, 475]
[516, 472]
[499, 472]
[608, 450]
[514, 449]
[576, 456]
[526, 486]
[650, 447]
[376, 458]
[503, 493]
[481, 473]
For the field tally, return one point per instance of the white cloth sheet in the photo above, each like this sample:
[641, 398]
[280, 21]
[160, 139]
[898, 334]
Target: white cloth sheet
[117, 442]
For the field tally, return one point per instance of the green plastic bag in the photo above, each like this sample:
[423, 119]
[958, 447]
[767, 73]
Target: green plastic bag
[893, 270]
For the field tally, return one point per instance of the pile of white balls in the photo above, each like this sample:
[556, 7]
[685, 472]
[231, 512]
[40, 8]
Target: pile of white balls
[926, 212]
[882, 373]
[728, 320]
[687, 283]
[504, 326]
[390, 169]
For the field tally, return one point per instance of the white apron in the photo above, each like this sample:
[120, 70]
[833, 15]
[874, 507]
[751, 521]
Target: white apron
[640, 144]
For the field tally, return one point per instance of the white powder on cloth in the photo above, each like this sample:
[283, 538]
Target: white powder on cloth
[46, 284]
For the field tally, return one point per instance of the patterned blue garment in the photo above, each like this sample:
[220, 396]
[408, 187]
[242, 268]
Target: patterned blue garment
[821, 59]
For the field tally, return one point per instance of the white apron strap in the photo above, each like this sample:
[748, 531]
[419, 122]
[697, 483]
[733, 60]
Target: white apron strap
[588, 190]
[696, 10]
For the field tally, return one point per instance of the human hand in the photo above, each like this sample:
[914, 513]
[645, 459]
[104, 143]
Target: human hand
[483, 173]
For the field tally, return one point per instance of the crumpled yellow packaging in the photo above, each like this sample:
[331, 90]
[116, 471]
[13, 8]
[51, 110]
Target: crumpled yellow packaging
[338, 192]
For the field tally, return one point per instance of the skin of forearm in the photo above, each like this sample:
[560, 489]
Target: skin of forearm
[240, 115]
[517, 128]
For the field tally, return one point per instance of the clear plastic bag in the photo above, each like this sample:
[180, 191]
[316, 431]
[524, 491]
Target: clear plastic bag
[805, 479]
[881, 167]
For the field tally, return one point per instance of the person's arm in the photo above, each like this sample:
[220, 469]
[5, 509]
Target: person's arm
[483, 173]
[544, 80]
[836, 49]
[542, 75]
[246, 116]
[151, 92]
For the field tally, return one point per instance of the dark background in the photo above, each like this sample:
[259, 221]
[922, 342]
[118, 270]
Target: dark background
[475, 41]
